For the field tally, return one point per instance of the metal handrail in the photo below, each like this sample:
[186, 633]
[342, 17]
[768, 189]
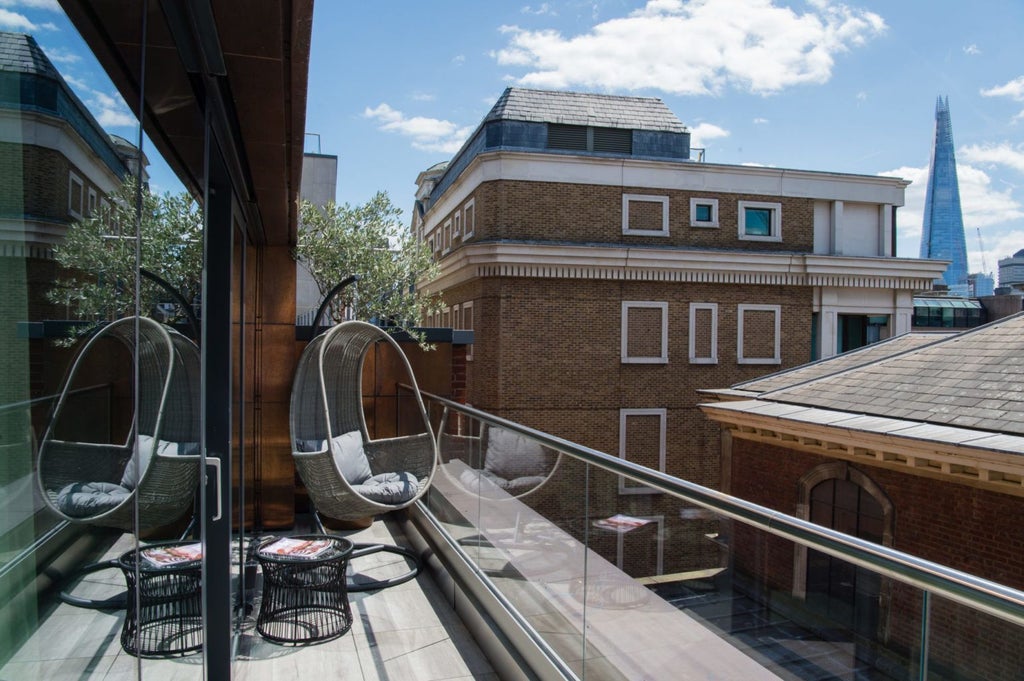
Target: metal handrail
[990, 597]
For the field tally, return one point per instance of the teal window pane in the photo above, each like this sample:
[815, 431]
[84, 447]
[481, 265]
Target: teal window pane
[757, 221]
[702, 213]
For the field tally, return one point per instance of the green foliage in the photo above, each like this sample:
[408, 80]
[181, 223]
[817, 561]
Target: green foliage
[98, 255]
[370, 241]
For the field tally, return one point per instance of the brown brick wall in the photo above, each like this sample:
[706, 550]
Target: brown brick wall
[547, 354]
[43, 189]
[549, 211]
[973, 530]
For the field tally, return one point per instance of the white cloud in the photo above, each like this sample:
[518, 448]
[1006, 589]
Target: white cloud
[972, 50]
[982, 205]
[459, 59]
[50, 5]
[751, 45]
[543, 9]
[12, 21]
[1014, 90]
[1003, 154]
[703, 133]
[862, 96]
[423, 97]
[428, 134]
[61, 55]
[760, 121]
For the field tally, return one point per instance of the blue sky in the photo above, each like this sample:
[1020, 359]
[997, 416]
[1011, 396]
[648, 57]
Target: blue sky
[818, 85]
[814, 85]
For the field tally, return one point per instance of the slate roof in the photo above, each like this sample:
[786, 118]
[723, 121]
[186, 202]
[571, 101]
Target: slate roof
[973, 379]
[19, 53]
[847, 360]
[578, 108]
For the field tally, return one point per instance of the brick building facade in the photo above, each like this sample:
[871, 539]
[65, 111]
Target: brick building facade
[915, 444]
[607, 277]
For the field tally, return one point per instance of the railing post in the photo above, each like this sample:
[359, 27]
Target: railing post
[926, 611]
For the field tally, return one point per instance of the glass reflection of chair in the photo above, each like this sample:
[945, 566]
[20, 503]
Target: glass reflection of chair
[496, 463]
[144, 472]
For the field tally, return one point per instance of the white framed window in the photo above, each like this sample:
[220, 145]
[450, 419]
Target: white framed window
[634, 548]
[430, 243]
[447, 235]
[642, 436]
[703, 212]
[644, 215]
[760, 221]
[467, 324]
[644, 335]
[92, 202]
[469, 218]
[76, 195]
[446, 318]
[758, 334]
[703, 341]
[457, 224]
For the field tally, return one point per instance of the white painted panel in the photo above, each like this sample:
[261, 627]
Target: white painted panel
[822, 228]
[860, 230]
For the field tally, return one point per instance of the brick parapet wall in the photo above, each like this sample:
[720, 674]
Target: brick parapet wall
[582, 213]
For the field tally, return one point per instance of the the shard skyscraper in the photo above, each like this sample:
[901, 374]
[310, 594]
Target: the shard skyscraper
[942, 237]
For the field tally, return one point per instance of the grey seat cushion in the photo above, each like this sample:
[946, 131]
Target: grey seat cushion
[87, 499]
[510, 455]
[389, 488]
[350, 458]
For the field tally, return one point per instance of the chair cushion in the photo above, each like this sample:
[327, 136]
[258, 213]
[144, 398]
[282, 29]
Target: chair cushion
[87, 499]
[350, 458]
[389, 488]
[310, 445]
[132, 474]
[510, 455]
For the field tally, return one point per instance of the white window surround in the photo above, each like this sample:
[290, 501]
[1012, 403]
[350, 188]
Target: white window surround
[92, 202]
[775, 226]
[447, 236]
[469, 219]
[663, 200]
[659, 522]
[467, 324]
[776, 357]
[457, 224]
[713, 358]
[713, 203]
[74, 180]
[662, 358]
[624, 415]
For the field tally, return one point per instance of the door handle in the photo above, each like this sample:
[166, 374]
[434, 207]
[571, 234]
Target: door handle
[214, 462]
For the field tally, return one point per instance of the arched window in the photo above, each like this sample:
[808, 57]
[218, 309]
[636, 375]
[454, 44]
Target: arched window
[841, 497]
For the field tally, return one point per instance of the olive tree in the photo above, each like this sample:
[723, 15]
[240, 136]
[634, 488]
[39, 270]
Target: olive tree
[369, 241]
[98, 259]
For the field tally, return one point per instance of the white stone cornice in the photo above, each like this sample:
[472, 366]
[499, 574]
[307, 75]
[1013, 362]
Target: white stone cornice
[991, 461]
[547, 261]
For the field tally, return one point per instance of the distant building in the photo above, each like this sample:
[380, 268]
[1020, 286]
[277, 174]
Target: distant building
[319, 186]
[942, 236]
[1011, 271]
[607, 276]
[64, 162]
[915, 443]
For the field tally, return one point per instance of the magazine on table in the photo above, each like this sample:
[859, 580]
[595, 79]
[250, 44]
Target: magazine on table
[620, 523]
[162, 556]
[297, 548]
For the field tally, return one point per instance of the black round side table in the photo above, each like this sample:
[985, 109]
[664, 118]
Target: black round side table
[305, 599]
[167, 618]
